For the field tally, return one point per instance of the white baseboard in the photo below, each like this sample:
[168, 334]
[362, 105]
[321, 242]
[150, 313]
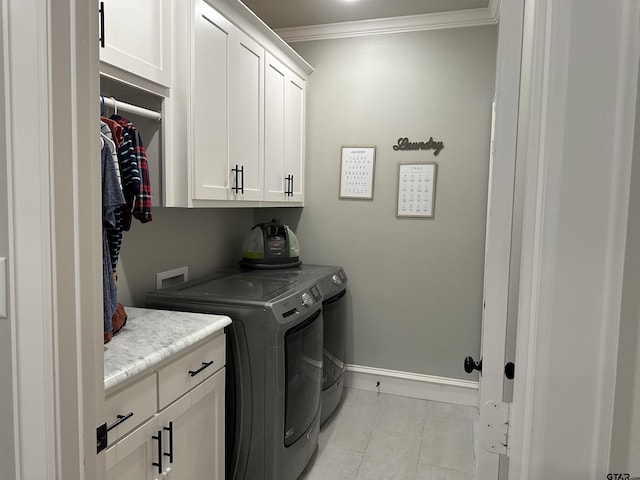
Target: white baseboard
[415, 385]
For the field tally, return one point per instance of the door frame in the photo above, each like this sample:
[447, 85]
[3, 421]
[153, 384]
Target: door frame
[55, 260]
[502, 172]
[573, 241]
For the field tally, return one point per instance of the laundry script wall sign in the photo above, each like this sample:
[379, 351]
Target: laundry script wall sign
[405, 144]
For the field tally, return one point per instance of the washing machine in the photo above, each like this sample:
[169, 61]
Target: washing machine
[332, 282]
[274, 367]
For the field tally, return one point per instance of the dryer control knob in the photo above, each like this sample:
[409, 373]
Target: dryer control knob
[307, 301]
[336, 280]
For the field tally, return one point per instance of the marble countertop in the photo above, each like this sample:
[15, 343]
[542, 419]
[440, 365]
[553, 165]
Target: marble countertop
[150, 336]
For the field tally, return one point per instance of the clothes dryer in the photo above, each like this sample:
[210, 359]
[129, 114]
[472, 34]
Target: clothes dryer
[274, 367]
[332, 282]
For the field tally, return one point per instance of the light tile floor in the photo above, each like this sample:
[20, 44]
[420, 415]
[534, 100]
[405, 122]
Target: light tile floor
[387, 437]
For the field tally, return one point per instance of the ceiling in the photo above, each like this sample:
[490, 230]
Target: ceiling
[301, 13]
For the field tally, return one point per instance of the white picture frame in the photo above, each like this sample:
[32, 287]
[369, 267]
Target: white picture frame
[357, 171]
[416, 189]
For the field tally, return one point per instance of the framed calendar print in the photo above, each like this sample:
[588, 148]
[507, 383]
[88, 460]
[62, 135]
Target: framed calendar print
[416, 189]
[357, 169]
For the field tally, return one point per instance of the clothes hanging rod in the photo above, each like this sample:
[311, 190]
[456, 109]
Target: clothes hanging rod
[127, 107]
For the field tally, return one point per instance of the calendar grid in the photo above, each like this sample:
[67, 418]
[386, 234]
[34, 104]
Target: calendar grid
[357, 171]
[416, 189]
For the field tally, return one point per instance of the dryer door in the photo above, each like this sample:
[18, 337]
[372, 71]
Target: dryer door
[334, 312]
[303, 346]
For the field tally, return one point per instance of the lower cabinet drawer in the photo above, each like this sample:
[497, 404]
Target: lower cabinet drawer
[180, 376]
[130, 407]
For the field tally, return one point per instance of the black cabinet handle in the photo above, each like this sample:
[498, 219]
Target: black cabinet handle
[235, 181]
[193, 373]
[159, 462]
[289, 188]
[235, 171]
[120, 419]
[170, 430]
[239, 183]
[101, 11]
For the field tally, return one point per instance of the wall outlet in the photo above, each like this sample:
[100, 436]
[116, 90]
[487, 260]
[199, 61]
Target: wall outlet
[172, 277]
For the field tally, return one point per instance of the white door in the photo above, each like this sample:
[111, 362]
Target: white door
[575, 134]
[578, 118]
[502, 169]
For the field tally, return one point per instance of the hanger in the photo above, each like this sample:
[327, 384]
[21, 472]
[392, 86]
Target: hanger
[101, 105]
[115, 106]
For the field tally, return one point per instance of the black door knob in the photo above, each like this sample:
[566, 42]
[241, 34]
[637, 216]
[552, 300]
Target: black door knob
[470, 365]
[510, 370]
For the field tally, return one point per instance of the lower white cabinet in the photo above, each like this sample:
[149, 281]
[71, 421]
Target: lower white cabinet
[185, 439]
[192, 444]
[132, 457]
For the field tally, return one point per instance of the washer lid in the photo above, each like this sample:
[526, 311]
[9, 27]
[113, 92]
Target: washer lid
[239, 287]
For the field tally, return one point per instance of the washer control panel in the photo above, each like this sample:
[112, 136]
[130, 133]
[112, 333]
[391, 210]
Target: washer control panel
[304, 301]
[307, 300]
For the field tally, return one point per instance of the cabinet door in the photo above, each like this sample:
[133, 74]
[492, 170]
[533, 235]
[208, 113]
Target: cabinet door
[246, 114]
[284, 133]
[213, 35]
[275, 81]
[294, 135]
[132, 457]
[137, 38]
[196, 422]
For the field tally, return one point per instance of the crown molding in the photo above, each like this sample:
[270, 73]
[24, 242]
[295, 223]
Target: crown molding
[410, 23]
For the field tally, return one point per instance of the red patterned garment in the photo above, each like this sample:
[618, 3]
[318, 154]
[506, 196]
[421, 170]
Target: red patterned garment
[142, 206]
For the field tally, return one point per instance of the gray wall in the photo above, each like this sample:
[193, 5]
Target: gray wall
[202, 239]
[7, 459]
[415, 284]
[625, 444]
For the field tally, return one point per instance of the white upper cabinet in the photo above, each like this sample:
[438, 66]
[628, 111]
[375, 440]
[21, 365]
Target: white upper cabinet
[136, 37]
[207, 98]
[284, 138]
[246, 115]
[227, 112]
